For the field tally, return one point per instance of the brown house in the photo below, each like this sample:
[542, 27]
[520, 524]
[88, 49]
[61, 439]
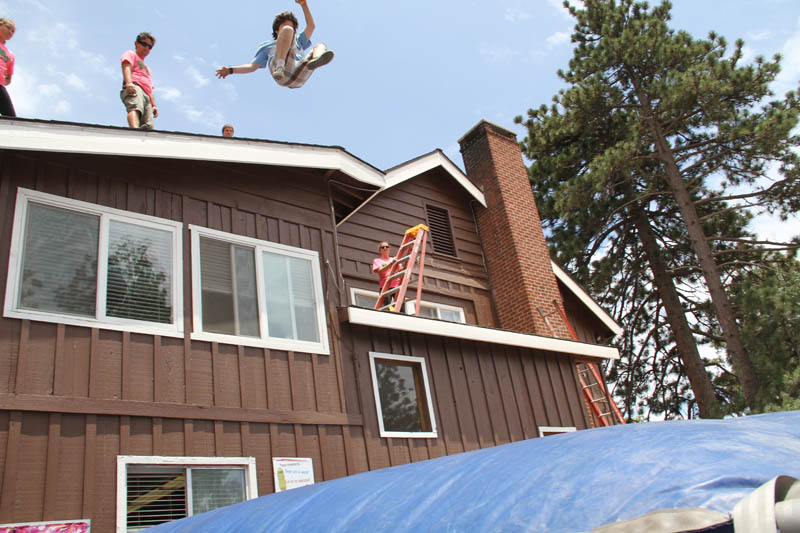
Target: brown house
[181, 309]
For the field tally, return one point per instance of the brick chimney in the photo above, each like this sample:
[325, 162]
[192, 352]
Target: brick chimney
[511, 233]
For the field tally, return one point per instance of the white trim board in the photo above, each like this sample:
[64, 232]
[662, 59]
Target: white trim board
[379, 319]
[586, 300]
[415, 167]
[87, 139]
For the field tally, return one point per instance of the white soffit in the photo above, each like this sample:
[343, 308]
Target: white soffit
[587, 300]
[417, 166]
[382, 319]
[82, 139]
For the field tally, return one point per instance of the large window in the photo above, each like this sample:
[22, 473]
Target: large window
[83, 264]
[152, 490]
[402, 396]
[257, 293]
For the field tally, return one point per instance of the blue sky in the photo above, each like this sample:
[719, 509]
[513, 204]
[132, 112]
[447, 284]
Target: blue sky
[408, 77]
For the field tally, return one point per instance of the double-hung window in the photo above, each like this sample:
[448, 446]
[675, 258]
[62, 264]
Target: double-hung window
[83, 264]
[257, 293]
[152, 490]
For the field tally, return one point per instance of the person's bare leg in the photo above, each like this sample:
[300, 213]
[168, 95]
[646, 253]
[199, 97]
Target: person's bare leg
[133, 119]
[320, 56]
[285, 36]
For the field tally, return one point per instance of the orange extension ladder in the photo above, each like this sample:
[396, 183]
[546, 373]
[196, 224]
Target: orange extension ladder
[592, 383]
[411, 249]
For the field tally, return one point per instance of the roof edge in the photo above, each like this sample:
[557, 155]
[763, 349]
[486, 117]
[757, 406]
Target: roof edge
[423, 163]
[586, 299]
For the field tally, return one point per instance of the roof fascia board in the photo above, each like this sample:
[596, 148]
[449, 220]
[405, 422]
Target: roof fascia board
[417, 166]
[23, 135]
[380, 319]
[587, 300]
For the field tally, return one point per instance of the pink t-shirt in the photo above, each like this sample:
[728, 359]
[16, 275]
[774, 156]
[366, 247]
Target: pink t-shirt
[379, 262]
[140, 73]
[6, 63]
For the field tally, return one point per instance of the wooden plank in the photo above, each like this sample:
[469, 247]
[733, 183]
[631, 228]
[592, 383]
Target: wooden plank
[10, 467]
[506, 388]
[522, 394]
[29, 487]
[158, 444]
[62, 371]
[70, 466]
[172, 442]
[90, 452]
[466, 420]
[22, 358]
[487, 434]
[170, 371]
[538, 378]
[418, 348]
[279, 387]
[52, 487]
[562, 403]
[78, 348]
[29, 402]
[491, 391]
[444, 399]
[253, 378]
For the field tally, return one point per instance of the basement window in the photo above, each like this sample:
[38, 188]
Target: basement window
[152, 490]
[402, 396]
[441, 230]
[545, 431]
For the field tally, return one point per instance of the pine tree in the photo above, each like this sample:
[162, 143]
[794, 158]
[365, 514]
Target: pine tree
[651, 122]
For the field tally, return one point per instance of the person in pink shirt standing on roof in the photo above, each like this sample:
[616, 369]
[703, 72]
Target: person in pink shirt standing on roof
[137, 84]
[7, 30]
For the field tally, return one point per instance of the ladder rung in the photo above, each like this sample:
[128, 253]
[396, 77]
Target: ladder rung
[403, 259]
[387, 306]
[599, 400]
[398, 274]
[390, 291]
[406, 245]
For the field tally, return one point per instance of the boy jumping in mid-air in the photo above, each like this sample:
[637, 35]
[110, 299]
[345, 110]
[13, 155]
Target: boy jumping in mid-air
[289, 62]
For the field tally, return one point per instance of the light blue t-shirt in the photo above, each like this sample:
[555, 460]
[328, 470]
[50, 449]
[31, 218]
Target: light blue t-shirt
[267, 49]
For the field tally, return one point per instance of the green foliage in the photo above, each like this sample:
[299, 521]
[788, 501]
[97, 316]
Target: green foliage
[769, 307]
[643, 100]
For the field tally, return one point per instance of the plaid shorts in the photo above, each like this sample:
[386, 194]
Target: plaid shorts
[297, 72]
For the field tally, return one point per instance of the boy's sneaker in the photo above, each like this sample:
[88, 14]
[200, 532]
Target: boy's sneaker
[279, 74]
[320, 61]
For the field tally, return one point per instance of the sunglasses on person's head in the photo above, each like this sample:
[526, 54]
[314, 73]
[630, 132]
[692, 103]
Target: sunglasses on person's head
[148, 45]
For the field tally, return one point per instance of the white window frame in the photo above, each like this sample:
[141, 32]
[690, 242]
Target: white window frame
[555, 429]
[363, 292]
[265, 341]
[247, 463]
[411, 304]
[106, 215]
[433, 433]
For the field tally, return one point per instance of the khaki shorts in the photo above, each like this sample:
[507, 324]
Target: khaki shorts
[139, 102]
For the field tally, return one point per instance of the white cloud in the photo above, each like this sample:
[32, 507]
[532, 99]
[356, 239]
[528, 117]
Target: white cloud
[32, 98]
[75, 82]
[513, 15]
[202, 116]
[790, 65]
[170, 94]
[558, 38]
[199, 79]
[761, 35]
[558, 5]
[493, 53]
[230, 91]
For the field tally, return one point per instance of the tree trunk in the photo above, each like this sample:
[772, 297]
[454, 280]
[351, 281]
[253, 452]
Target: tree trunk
[730, 329]
[701, 385]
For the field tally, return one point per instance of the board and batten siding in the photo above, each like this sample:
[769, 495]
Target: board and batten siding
[74, 398]
[460, 281]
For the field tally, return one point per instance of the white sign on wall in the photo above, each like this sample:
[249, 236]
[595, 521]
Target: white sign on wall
[292, 472]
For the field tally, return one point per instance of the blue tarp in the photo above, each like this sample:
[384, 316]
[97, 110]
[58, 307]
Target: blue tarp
[567, 482]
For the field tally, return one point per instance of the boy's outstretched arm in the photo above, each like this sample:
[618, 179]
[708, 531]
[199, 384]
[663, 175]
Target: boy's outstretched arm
[224, 72]
[309, 19]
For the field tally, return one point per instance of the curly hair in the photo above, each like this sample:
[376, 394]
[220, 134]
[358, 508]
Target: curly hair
[146, 35]
[280, 18]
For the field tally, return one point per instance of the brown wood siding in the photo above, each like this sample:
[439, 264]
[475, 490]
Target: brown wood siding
[460, 281]
[72, 398]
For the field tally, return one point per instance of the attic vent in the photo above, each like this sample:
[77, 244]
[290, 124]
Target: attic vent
[441, 230]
